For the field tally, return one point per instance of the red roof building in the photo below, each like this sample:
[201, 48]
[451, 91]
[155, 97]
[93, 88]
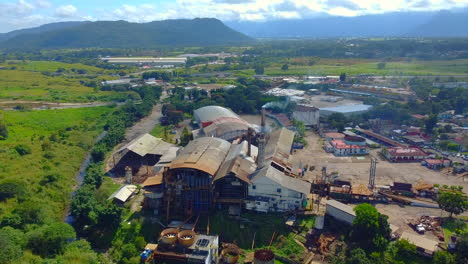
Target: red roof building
[404, 154]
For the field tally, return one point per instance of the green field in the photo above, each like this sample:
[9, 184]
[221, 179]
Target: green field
[31, 80]
[58, 141]
[361, 66]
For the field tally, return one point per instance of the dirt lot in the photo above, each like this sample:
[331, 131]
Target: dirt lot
[356, 169]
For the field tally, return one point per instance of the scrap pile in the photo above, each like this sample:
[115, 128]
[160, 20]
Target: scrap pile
[323, 242]
[428, 223]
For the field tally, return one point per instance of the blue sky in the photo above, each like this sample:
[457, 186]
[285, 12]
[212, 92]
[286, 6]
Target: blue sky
[17, 14]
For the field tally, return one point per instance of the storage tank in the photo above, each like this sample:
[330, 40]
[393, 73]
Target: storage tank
[169, 236]
[187, 238]
[264, 256]
[230, 255]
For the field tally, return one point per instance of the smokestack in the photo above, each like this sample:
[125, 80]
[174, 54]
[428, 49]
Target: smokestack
[261, 150]
[249, 142]
[128, 175]
[263, 120]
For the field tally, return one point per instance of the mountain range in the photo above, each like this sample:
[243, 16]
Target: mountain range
[398, 24]
[213, 32]
[123, 34]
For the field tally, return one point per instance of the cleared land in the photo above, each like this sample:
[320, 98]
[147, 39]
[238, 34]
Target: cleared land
[33, 80]
[363, 66]
[58, 141]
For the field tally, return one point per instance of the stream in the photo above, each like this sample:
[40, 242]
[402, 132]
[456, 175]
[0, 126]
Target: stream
[79, 177]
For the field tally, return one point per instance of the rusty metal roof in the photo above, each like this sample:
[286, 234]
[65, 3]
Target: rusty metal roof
[238, 163]
[205, 154]
[146, 144]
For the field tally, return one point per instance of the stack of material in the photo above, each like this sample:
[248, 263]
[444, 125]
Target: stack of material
[361, 189]
[324, 241]
[421, 185]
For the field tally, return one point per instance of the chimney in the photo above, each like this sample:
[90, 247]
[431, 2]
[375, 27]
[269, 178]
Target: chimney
[263, 120]
[261, 150]
[249, 142]
[128, 175]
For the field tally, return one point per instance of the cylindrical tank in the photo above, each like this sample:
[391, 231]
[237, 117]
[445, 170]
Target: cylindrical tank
[264, 256]
[230, 255]
[169, 236]
[186, 238]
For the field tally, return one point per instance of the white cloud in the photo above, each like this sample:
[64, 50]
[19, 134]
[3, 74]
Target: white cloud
[66, 11]
[43, 4]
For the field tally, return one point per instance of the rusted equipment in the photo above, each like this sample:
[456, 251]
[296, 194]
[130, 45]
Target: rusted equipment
[230, 255]
[169, 236]
[186, 238]
[264, 256]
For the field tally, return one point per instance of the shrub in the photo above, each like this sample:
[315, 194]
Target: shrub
[23, 149]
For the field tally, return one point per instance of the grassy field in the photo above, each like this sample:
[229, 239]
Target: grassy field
[361, 66]
[58, 141]
[28, 81]
[453, 225]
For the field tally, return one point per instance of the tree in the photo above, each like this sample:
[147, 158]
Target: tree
[358, 256]
[185, 137]
[404, 249]
[381, 65]
[343, 77]
[462, 249]
[3, 130]
[23, 149]
[50, 240]
[259, 69]
[453, 202]
[443, 257]
[430, 123]
[11, 245]
[371, 230]
[285, 67]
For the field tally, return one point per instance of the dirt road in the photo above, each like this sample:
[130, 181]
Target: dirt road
[145, 125]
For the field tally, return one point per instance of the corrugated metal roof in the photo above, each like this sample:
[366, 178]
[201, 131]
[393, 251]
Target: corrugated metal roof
[146, 144]
[237, 163]
[279, 145]
[155, 180]
[222, 128]
[212, 112]
[169, 156]
[420, 241]
[341, 206]
[123, 193]
[283, 180]
[205, 154]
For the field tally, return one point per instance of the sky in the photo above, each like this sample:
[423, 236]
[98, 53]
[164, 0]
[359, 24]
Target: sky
[18, 14]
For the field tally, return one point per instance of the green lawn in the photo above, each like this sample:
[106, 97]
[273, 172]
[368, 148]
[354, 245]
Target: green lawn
[453, 225]
[163, 132]
[59, 141]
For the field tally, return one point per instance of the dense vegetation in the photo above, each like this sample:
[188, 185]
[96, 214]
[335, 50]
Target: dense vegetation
[122, 34]
[38, 163]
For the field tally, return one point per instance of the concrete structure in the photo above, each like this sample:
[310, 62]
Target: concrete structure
[203, 250]
[349, 146]
[272, 191]
[404, 154]
[346, 110]
[334, 135]
[340, 211]
[145, 60]
[307, 114]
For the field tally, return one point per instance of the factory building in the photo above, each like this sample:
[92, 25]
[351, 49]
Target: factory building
[348, 146]
[404, 154]
[141, 155]
[189, 177]
[340, 211]
[220, 122]
[307, 114]
[146, 61]
[272, 191]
